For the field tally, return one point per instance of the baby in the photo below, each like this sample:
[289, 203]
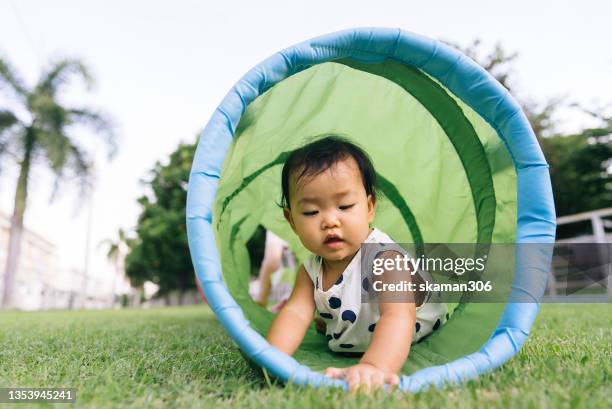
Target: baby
[329, 199]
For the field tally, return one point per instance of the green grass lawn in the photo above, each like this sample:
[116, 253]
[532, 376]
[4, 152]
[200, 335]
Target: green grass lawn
[181, 357]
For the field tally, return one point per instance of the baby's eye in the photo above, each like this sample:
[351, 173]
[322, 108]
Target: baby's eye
[311, 213]
[346, 207]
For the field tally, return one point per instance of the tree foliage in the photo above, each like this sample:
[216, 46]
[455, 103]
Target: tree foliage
[160, 252]
[580, 167]
[580, 163]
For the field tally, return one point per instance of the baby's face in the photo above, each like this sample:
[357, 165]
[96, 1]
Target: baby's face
[331, 211]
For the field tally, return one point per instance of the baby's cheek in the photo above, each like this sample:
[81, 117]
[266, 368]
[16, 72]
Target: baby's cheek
[308, 241]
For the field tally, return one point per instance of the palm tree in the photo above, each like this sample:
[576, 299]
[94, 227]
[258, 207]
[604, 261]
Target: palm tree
[39, 130]
[115, 255]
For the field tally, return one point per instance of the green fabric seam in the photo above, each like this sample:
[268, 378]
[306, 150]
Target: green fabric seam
[456, 126]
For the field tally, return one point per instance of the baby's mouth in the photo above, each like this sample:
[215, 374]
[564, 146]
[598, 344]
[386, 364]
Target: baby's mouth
[333, 241]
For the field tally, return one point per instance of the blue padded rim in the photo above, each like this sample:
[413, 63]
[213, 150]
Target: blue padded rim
[465, 79]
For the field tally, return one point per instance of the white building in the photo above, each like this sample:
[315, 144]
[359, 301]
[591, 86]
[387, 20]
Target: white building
[40, 282]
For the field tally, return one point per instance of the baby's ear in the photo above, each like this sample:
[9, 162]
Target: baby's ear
[371, 208]
[288, 217]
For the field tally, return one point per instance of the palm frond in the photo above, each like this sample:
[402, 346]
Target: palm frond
[100, 123]
[47, 113]
[75, 166]
[55, 147]
[82, 170]
[7, 119]
[122, 235]
[65, 158]
[10, 79]
[79, 161]
[113, 253]
[8, 139]
[60, 74]
[114, 246]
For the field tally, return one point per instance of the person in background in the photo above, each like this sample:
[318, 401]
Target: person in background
[276, 274]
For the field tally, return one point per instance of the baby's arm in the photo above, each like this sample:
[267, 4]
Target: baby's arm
[390, 344]
[392, 337]
[291, 323]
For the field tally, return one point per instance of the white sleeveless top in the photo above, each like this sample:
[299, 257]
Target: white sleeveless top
[350, 323]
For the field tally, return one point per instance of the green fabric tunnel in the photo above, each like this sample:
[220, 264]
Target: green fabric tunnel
[446, 161]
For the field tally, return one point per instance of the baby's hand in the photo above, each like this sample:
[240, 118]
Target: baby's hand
[363, 376]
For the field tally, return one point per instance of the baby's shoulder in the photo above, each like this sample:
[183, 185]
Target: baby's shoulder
[312, 265]
[380, 243]
[379, 236]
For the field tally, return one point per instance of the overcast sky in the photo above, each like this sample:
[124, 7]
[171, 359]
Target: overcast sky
[161, 68]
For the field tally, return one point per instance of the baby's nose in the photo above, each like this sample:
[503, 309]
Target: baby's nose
[330, 219]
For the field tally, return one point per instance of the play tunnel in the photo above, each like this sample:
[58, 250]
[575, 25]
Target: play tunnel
[456, 160]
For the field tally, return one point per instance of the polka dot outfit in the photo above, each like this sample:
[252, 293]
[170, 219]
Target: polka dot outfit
[350, 323]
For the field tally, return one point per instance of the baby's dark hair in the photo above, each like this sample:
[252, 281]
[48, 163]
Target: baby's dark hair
[316, 157]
